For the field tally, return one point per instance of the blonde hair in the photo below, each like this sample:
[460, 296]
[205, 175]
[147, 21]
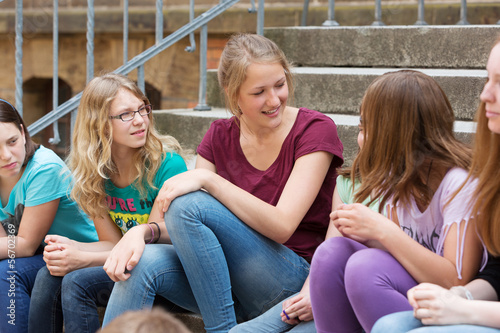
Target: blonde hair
[145, 321]
[486, 167]
[90, 157]
[408, 130]
[240, 52]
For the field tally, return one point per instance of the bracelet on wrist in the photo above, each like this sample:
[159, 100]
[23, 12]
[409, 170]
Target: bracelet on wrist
[152, 234]
[159, 231]
[463, 290]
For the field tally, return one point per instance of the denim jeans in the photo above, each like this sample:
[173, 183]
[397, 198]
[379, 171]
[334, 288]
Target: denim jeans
[16, 283]
[79, 293]
[401, 322]
[270, 322]
[224, 258]
[159, 272]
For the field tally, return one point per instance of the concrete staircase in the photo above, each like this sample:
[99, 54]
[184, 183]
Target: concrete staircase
[334, 66]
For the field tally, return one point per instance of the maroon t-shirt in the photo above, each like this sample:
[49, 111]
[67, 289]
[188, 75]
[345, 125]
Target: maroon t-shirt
[311, 132]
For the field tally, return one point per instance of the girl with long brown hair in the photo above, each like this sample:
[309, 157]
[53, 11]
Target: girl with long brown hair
[460, 308]
[412, 162]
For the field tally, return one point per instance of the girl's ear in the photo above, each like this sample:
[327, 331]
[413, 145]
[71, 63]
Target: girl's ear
[22, 133]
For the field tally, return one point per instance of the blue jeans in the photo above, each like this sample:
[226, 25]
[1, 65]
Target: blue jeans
[159, 272]
[223, 257]
[400, 322]
[270, 322]
[16, 283]
[79, 293]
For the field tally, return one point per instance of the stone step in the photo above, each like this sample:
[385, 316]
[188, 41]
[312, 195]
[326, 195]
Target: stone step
[189, 126]
[340, 90]
[387, 46]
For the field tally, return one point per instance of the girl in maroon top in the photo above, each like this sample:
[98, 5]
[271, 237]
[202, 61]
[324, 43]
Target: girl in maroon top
[246, 221]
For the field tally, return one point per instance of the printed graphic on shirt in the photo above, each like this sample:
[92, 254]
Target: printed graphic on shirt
[127, 221]
[13, 221]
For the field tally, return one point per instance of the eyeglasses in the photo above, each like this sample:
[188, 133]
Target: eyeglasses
[129, 115]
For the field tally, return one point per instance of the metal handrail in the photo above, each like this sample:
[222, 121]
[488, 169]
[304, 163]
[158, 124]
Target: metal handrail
[136, 62]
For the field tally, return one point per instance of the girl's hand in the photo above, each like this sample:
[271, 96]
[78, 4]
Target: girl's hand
[360, 223]
[434, 305]
[51, 239]
[62, 258]
[178, 185]
[126, 254]
[298, 308]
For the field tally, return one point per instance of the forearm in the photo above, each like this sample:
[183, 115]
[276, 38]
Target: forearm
[16, 247]
[259, 215]
[91, 259]
[100, 246]
[482, 313]
[422, 264]
[482, 290]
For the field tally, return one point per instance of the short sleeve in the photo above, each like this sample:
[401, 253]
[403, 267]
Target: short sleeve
[344, 189]
[47, 183]
[318, 134]
[172, 165]
[205, 147]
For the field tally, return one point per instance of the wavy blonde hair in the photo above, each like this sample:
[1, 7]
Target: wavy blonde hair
[240, 52]
[486, 167]
[407, 122]
[90, 157]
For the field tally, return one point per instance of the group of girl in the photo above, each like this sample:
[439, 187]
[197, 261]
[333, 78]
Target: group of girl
[252, 234]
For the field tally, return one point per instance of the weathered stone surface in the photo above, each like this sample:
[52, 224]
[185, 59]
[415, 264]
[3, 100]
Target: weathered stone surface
[389, 46]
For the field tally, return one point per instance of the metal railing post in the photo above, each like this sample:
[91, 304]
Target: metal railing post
[159, 21]
[378, 13]
[202, 105]
[19, 56]
[140, 78]
[260, 18]
[192, 47]
[305, 11]
[55, 76]
[421, 18]
[331, 15]
[463, 13]
[90, 39]
[125, 31]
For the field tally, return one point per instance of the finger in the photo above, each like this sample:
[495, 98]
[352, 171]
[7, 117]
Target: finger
[134, 260]
[422, 313]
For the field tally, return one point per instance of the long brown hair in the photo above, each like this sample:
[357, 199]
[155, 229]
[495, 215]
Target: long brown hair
[408, 131]
[486, 167]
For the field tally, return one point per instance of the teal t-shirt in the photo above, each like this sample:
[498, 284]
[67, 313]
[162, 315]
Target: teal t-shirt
[346, 193]
[126, 206]
[47, 178]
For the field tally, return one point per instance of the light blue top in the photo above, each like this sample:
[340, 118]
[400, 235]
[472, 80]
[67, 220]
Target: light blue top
[346, 193]
[47, 178]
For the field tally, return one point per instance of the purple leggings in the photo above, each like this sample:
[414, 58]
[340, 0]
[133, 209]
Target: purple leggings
[352, 286]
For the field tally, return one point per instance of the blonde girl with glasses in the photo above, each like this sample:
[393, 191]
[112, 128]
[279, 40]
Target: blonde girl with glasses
[119, 162]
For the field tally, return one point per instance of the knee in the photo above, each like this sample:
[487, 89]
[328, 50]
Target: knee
[187, 207]
[396, 322]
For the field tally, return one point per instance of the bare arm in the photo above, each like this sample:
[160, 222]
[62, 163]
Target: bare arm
[275, 222]
[35, 223]
[423, 264]
[435, 305]
[63, 255]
